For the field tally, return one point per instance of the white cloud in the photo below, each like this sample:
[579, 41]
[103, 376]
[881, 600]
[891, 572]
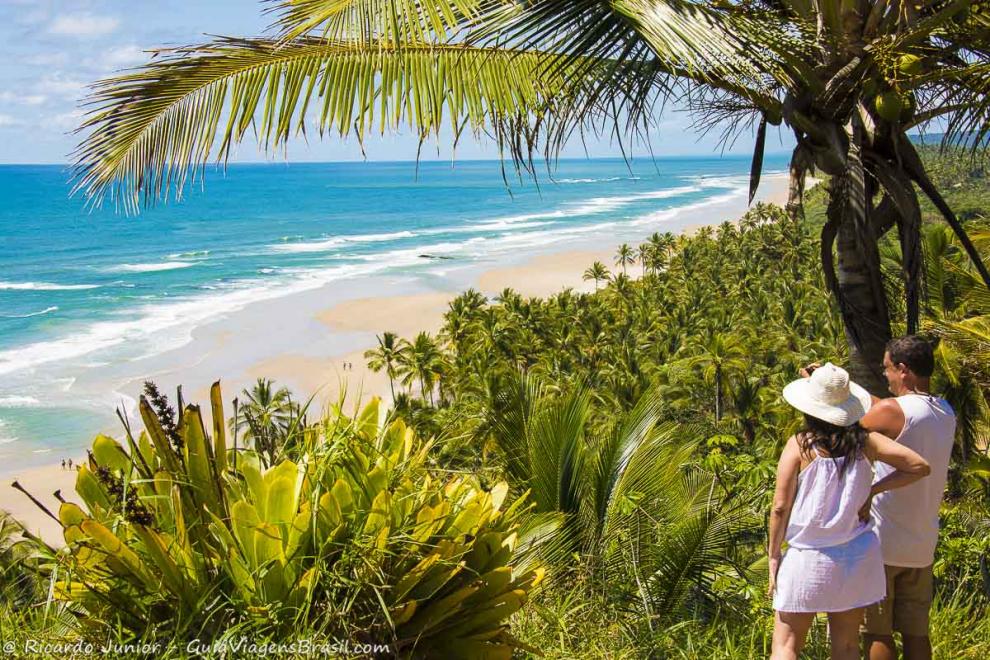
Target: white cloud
[66, 121]
[25, 99]
[122, 57]
[47, 59]
[7, 120]
[57, 84]
[83, 25]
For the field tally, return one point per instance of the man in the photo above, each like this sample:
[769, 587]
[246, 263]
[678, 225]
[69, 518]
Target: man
[907, 519]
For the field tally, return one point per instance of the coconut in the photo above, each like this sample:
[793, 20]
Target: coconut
[910, 65]
[889, 105]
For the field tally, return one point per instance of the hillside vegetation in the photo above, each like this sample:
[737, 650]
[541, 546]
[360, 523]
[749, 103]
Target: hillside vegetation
[584, 475]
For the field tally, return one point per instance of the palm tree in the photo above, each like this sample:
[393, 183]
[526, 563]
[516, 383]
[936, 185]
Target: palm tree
[621, 283]
[420, 360]
[266, 417]
[849, 80]
[385, 357]
[597, 272]
[624, 257]
[718, 354]
[616, 491]
[644, 254]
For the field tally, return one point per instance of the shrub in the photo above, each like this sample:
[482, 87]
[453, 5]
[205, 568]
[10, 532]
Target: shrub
[180, 539]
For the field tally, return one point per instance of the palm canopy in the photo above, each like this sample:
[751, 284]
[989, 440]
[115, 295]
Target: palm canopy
[849, 77]
[539, 70]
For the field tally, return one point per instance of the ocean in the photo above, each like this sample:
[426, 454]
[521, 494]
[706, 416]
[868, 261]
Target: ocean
[84, 294]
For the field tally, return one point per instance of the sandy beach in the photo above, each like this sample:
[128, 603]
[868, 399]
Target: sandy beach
[341, 332]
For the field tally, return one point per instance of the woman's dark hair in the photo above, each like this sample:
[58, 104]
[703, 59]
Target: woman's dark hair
[836, 441]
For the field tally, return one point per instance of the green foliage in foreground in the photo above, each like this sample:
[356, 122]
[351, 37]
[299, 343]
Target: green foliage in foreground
[357, 539]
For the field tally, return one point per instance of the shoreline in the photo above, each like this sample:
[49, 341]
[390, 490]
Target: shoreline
[330, 333]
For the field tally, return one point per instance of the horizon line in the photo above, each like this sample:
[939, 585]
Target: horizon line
[713, 156]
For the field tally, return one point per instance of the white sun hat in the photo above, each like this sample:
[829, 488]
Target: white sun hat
[829, 395]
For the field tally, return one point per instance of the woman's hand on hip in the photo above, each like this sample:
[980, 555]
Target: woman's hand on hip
[774, 564]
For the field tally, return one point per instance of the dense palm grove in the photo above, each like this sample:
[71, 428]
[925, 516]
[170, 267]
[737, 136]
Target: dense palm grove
[585, 475]
[706, 336]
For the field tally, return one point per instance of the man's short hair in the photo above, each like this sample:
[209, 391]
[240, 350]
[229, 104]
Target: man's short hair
[914, 352]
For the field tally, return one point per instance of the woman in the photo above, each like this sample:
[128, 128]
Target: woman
[833, 562]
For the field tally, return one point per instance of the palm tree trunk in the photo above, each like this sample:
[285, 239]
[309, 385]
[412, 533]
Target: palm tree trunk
[391, 379]
[718, 395]
[749, 432]
[856, 282]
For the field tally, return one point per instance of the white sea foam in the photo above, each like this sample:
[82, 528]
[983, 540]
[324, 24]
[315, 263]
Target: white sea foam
[594, 206]
[47, 310]
[494, 225]
[163, 325]
[168, 325]
[44, 286]
[331, 243]
[5, 438]
[192, 254]
[668, 214]
[728, 181]
[513, 240]
[18, 401]
[605, 180]
[150, 268]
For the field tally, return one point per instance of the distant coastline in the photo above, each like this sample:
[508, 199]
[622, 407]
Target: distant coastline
[325, 327]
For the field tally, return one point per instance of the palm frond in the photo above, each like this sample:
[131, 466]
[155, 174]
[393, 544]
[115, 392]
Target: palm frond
[967, 93]
[592, 41]
[720, 49]
[150, 130]
[557, 454]
[685, 561]
[508, 421]
[617, 450]
[367, 21]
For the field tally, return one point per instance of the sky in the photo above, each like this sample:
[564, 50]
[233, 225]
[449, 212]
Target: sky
[50, 50]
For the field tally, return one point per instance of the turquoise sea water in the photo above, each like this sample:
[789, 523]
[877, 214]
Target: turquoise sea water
[81, 292]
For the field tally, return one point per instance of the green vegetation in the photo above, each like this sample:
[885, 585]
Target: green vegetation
[704, 341]
[849, 81]
[585, 475]
[351, 535]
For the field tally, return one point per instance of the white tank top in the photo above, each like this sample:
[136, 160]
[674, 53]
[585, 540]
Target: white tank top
[907, 518]
[826, 506]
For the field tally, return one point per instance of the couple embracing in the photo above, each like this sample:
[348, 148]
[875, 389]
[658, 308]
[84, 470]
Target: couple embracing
[857, 501]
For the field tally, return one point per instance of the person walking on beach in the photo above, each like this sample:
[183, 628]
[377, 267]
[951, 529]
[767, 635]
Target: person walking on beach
[907, 521]
[833, 562]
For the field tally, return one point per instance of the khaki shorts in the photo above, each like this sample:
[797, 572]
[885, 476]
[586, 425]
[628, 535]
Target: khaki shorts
[905, 609]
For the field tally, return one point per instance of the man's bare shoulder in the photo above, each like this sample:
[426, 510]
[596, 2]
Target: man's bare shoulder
[885, 416]
[889, 404]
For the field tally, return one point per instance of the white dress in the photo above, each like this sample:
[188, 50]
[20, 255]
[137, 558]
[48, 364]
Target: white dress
[833, 561]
